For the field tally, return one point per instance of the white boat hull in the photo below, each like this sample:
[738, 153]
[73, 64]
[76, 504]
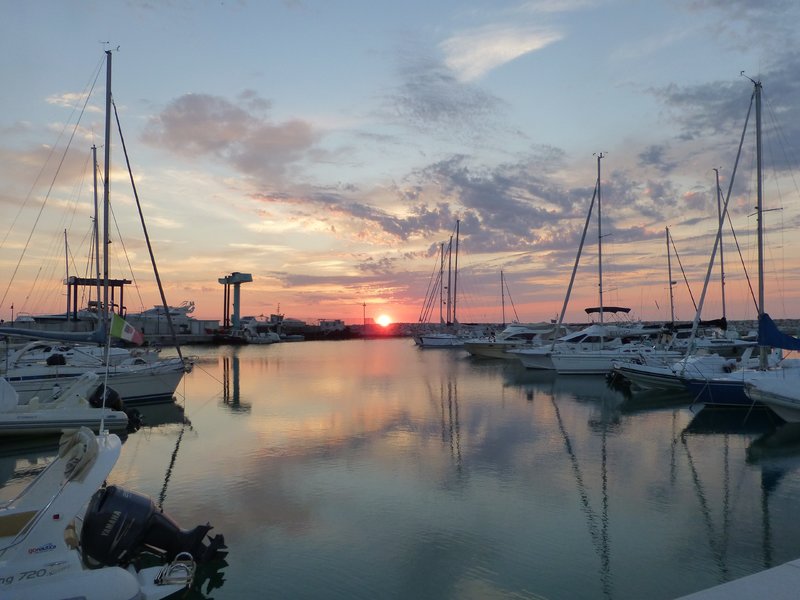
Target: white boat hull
[535, 359]
[781, 395]
[493, 349]
[600, 362]
[53, 421]
[136, 384]
[442, 340]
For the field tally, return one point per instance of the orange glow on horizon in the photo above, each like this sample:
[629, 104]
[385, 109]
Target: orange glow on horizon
[384, 320]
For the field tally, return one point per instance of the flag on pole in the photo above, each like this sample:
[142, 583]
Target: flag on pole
[120, 328]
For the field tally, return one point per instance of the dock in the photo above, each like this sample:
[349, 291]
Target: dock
[778, 583]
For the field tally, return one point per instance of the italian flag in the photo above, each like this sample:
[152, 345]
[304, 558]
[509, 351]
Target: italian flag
[120, 328]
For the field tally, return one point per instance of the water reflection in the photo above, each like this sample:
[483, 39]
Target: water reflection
[230, 384]
[441, 477]
[731, 426]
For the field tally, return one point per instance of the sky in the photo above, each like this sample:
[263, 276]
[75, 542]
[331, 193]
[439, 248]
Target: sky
[328, 148]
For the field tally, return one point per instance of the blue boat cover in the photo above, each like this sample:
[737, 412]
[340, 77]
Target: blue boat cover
[770, 335]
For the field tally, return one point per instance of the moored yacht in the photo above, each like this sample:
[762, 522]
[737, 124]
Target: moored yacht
[516, 335]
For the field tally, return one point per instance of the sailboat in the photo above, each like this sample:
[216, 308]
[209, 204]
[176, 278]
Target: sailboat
[707, 356]
[731, 389]
[594, 349]
[140, 378]
[446, 333]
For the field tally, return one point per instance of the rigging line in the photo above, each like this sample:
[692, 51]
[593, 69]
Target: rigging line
[510, 299]
[784, 145]
[47, 196]
[163, 495]
[741, 259]
[717, 552]
[50, 154]
[683, 272]
[146, 236]
[127, 257]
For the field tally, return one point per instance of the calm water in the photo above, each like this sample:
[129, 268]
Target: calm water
[374, 469]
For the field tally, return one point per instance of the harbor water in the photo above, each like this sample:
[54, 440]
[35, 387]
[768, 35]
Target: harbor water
[375, 469]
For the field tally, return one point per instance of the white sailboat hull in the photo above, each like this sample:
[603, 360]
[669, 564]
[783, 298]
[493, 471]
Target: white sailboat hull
[136, 384]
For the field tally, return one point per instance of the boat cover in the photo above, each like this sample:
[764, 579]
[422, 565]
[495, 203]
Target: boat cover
[770, 335]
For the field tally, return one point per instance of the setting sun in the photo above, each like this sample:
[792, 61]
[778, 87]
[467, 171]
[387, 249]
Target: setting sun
[384, 320]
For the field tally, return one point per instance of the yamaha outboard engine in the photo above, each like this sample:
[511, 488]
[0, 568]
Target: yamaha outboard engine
[119, 525]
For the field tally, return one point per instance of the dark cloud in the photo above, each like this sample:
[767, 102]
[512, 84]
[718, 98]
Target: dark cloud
[767, 25]
[713, 114]
[656, 156]
[430, 98]
[205, 125]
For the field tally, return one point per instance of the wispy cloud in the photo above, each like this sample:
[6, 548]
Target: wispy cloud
[472, 54]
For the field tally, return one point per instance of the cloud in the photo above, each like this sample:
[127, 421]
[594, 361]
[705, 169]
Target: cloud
[205, 125]
[431, 99]
[715, 112]
[472, 54]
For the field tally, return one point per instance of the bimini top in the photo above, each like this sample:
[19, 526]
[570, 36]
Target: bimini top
[607, 309]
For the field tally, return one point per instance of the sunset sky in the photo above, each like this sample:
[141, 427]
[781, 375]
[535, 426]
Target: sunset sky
[328, 149]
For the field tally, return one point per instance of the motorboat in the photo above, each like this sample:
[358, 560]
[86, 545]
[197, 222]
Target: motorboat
[81, 404]
[594, 338]
[516, 335]
[67, 535]
[440, 339]
[648, 374]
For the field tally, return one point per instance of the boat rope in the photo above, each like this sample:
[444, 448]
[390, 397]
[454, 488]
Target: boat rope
[683, 272]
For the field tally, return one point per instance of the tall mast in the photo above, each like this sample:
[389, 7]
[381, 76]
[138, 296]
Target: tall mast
[107, 182]
[721, 255]
[669, 273]
[441, 285]
[66, 269]
[96, 230]
[762, 356]
[503, 297]
[455, 275]
[449, 280]
[600, 238]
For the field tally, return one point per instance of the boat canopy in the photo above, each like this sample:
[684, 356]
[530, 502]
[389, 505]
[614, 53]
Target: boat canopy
[606, 309]
[770, 335]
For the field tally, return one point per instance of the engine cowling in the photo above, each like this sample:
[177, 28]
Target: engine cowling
[120, 525]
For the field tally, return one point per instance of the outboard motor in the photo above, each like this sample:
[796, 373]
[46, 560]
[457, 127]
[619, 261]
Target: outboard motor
[120, 524]
[112, 398]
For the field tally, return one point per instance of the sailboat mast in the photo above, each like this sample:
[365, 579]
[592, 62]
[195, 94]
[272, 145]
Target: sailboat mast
[449, 280]
[503, 297]
[107, 182]
[96, 230]
[455, 275]
[721, 254]
[66, 269]
[441, 285]
[762, 356]
[599, 238]
[669, 273]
